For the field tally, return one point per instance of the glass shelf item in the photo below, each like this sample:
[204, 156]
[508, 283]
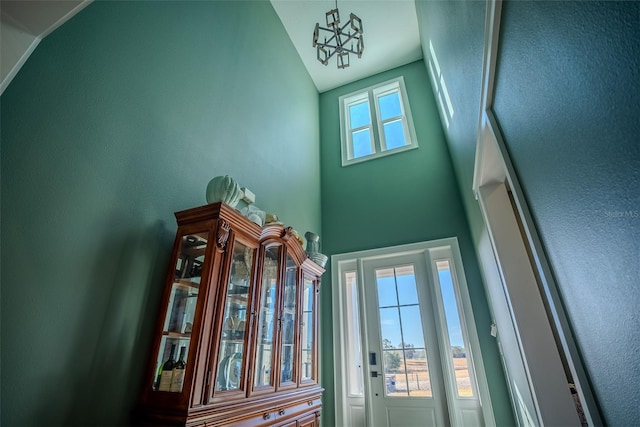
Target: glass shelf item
[232, 349]
[287, 363]
[266, 316]
[307, 337]
[178, 322]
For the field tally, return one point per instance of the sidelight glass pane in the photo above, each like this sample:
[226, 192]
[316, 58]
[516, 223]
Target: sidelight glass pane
[356, 377]
[454, 329]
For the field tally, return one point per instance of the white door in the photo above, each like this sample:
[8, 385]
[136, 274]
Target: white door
[405, 383]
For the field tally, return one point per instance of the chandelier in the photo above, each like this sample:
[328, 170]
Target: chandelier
[338, 40]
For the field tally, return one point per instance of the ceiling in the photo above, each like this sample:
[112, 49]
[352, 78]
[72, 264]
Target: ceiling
[391, 36]
[24, 23]
[390, 30]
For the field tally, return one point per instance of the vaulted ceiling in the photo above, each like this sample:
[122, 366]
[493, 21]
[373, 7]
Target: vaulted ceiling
[390, 33]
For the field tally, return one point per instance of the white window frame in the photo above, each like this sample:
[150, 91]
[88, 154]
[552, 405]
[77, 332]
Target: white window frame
[376, 125]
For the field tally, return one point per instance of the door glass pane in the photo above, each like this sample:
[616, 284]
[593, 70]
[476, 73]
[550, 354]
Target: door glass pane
[359, 115]
[407, 289]
[404, 353]
[361, 143]
[232, 351]
[308, 307]
[390, 327]
[412, 332]
[452, 317]
[389, 106]
[287, 363]
[178, 322]
[266, 313]
[394, 134]
[386, 285]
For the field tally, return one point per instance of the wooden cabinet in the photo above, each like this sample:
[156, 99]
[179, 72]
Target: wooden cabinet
[236, 341]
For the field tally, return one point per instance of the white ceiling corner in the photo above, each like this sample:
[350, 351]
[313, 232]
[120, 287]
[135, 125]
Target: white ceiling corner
[391, 36]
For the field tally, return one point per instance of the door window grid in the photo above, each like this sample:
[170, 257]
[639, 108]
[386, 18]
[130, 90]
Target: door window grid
[405, 364]
[376, 122]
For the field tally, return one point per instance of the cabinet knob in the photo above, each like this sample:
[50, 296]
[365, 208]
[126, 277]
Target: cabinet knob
[310, 403]
[266, 416]
[281, 412]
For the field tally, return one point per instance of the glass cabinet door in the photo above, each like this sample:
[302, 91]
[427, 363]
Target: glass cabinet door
[178, 323]
[266, 317]
[232, 350]
[307, 340]
[288, 354]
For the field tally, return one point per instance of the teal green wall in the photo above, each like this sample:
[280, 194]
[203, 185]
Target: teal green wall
[407, 197]
[567, 100]
[118, 119]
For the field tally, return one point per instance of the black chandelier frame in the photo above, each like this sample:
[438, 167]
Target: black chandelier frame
[338, 40]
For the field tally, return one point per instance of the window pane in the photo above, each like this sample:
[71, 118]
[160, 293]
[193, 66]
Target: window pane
[361, 143]
[407, 291]
[359, 115]
[390, 327]
[418, 381]
[452, 316]
[389, 106]
[386, 284]
[406, 373]
[394, 135]
[412, 326]
[356, 380]
[395, 377]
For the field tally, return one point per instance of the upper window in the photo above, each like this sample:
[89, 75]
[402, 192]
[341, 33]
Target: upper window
[376, 122]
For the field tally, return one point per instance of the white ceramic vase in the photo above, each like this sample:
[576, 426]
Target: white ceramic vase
[224, 189]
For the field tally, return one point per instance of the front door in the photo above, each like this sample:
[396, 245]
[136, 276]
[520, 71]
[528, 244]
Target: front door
[405, 383]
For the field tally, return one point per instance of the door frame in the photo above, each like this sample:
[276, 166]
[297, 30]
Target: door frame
[338, 263]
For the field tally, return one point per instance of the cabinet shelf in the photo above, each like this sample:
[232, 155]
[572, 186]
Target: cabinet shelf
[194, 252]
[176, 335]
[186, 284]
[232, 341]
